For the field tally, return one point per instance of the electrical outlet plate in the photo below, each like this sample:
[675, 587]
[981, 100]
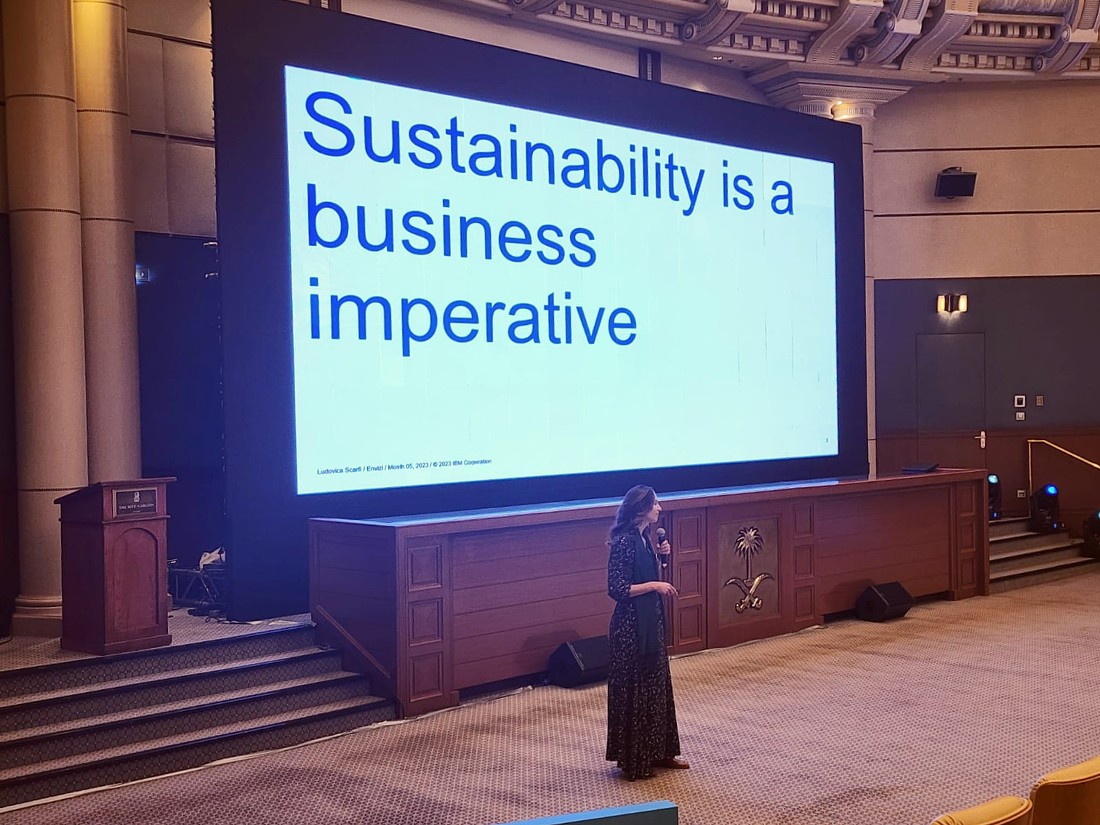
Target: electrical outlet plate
[1040, 400]
[1021, 494]
[1019, 401]
[1021, 415]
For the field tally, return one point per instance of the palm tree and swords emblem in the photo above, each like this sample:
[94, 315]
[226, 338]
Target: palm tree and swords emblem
[749, 542]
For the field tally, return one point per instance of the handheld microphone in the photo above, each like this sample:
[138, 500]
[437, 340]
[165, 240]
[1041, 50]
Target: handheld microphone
[661, 535]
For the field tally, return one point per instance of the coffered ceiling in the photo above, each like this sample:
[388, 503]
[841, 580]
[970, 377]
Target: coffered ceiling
[798, 52]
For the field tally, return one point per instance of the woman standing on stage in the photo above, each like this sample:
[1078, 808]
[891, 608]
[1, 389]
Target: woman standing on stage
[641, 715]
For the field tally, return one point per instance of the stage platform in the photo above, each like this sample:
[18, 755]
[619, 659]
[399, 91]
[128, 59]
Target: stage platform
[30, 651]
[431, 605]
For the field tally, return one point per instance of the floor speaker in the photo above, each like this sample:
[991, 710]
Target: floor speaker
[880, 602]
[579, 662]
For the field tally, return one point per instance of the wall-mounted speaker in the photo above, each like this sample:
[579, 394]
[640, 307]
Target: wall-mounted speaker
[579, 662]
[880, 602]
[953, 182]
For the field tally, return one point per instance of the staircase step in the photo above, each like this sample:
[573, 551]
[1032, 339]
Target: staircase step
[1021, 579]
[1028, 542]
[57, 706]
[1053, 547]
[1016, 524]
[34, 682]
[94, 721]
[1062, 564]
[123, 728]
[170, 753]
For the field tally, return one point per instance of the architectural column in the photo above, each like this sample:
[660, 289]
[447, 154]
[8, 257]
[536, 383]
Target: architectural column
[107, 230]
[846, 93]
[47, 300]
[863, 113]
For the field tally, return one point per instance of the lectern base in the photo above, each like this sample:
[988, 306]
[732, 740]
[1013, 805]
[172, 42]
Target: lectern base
[106, 648]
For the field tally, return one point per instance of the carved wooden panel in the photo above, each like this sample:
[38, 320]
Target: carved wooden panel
[967, 535]
[426, 621]
[480, 599]
[803, 561]
[903, 535]
[425, 566]
[690, 577]
[747, 597]
[689, 531]
[748, 569]
[966, 499]
[425, 676]
[690, 623]
[134, 601]
[968, 572]
[804, 603]
[803, 518]
[689, 564]
[519, 592]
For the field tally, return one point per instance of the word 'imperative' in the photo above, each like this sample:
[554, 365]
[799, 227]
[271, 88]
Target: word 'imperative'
[462, 322]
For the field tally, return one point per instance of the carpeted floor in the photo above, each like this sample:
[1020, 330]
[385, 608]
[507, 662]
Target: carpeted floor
[29, 651]
[854, 723]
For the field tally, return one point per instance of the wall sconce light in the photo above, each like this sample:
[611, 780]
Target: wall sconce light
[949, 302]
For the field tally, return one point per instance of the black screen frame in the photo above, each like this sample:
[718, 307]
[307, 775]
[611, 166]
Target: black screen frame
[253, 41]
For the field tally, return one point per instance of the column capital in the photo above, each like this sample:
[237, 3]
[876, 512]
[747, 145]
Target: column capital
[801, 87]
[820, 107]
[854, 110]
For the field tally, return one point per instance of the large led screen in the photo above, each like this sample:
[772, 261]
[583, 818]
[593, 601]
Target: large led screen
[516, 262]
[457, 276]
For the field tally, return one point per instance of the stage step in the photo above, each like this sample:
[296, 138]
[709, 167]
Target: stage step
[1020, 557]
[91, 722]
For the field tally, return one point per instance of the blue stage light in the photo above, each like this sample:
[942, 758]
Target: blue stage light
[994, 484]
[1045, 511]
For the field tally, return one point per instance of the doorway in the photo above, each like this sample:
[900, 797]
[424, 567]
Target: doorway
[951, 414]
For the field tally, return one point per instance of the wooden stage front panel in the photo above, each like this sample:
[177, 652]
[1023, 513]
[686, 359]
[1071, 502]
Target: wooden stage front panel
[430, 605]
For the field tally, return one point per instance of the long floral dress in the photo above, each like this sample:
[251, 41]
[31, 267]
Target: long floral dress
[641, 714]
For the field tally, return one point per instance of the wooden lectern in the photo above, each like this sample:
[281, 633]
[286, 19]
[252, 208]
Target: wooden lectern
[114, 566]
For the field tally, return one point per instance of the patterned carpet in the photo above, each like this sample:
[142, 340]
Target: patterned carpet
[185, 629]
[854, 723]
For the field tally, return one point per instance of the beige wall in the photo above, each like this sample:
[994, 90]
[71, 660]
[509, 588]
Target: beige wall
[171, 93]
[1033, 145]
[1036, 206]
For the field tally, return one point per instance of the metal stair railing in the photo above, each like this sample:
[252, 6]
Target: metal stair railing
[1031, 441]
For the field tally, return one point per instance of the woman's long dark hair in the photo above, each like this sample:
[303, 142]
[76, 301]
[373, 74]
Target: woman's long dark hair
[638, 500]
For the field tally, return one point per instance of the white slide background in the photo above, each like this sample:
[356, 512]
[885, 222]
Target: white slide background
[734, 355]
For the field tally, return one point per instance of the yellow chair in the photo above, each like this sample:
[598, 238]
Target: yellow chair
[1004, 810]
[1069, 796]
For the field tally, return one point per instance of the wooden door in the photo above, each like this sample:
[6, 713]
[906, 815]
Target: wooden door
[951, 411]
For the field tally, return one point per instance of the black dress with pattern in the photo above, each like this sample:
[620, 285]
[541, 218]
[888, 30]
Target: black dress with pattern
[641, 714]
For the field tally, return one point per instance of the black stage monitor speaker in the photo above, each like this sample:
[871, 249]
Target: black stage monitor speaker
[880, 602]
[953, 182]
[579, 662]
